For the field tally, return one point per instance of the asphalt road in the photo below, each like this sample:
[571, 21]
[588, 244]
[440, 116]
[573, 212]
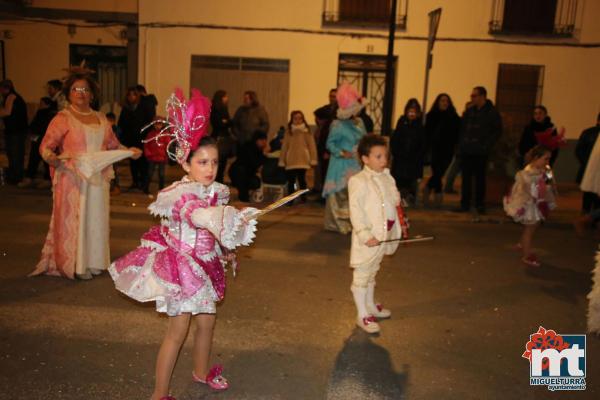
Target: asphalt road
[463, 308]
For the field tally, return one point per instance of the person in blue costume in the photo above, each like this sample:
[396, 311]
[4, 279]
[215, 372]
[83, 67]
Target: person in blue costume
[344, 135]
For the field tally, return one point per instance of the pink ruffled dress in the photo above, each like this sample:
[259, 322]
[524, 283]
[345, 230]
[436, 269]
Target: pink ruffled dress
[179, 263]
[531, 198]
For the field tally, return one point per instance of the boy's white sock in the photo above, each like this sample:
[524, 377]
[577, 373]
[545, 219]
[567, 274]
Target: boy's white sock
[372, 306]
[360, 297]
[371, 297]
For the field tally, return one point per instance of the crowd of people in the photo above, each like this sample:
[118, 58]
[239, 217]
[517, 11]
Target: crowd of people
[180, 263]
[450, 142]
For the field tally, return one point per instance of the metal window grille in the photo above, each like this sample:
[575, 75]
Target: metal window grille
[539, 17]
[374, 14]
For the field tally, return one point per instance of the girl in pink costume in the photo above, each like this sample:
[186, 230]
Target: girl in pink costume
[180, 263]
[530, 200]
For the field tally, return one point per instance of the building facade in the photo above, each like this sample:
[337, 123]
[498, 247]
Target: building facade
[292, 52]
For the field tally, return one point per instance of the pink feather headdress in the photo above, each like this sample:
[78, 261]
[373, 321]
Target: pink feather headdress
[186, 123]
[350, 102]
[551, 140]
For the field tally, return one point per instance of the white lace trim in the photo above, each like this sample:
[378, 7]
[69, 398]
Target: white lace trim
[167, 198]
[238, 230]
[168, 299]
[350, 111]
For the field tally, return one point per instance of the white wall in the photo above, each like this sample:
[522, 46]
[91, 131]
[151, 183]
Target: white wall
[571, 90]
[128, 6]
[39, 52]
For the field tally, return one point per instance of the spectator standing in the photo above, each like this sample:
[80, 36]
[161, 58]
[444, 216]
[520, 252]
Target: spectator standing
[324, 116]
[221, 130]
[13, 111]
[299, 151]
[243, 172]
[111, 118]
[155, 151]
[367, 121]
[539, 124]
[54, 88]
[39, 125]
[481, 127]
[407, 146]
[131, 122]
[442, 126]
[250, 117]
[148, 104]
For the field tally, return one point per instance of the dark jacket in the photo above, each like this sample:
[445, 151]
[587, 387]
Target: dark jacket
[41, 120]
[16, 122]
[249, 159]
[443, 128]
[131, 122]
[367, 121]
[148, 105]
[407, 146]
[584, 147]
[529, 140]
[220, 122]
[324, 117]
[248, 120]
[479, 131]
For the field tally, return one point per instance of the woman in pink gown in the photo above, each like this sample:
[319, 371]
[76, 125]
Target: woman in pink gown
[78, 243]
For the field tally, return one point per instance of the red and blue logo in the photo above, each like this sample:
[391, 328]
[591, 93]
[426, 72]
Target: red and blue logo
[556, 360]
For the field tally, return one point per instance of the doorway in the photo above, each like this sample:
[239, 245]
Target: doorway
[269, 78]
[367, 74]
[110, 71]
[519, 90]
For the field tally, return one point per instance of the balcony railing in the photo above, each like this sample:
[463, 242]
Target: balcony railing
[555, 18]
[373, 14]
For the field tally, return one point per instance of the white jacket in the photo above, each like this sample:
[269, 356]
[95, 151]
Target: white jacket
[373, 200]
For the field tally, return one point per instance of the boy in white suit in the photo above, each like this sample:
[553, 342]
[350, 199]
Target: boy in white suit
[374, 200]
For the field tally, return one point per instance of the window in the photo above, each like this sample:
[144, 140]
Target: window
[534, 17]
[363, 13]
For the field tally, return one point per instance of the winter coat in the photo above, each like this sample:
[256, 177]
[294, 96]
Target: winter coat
[249, 159]
[131, 122]
[299, 150]
[367, 121]
[529, 140]
[324, 116]
[443, 128]
[220, 121]
[39, 123]
[407, 146]
[480, 130]
[221, 125]
[16, 122]
[584, 147]
[247, 120]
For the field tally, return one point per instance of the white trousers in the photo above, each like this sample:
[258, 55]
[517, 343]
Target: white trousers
[364, 274]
